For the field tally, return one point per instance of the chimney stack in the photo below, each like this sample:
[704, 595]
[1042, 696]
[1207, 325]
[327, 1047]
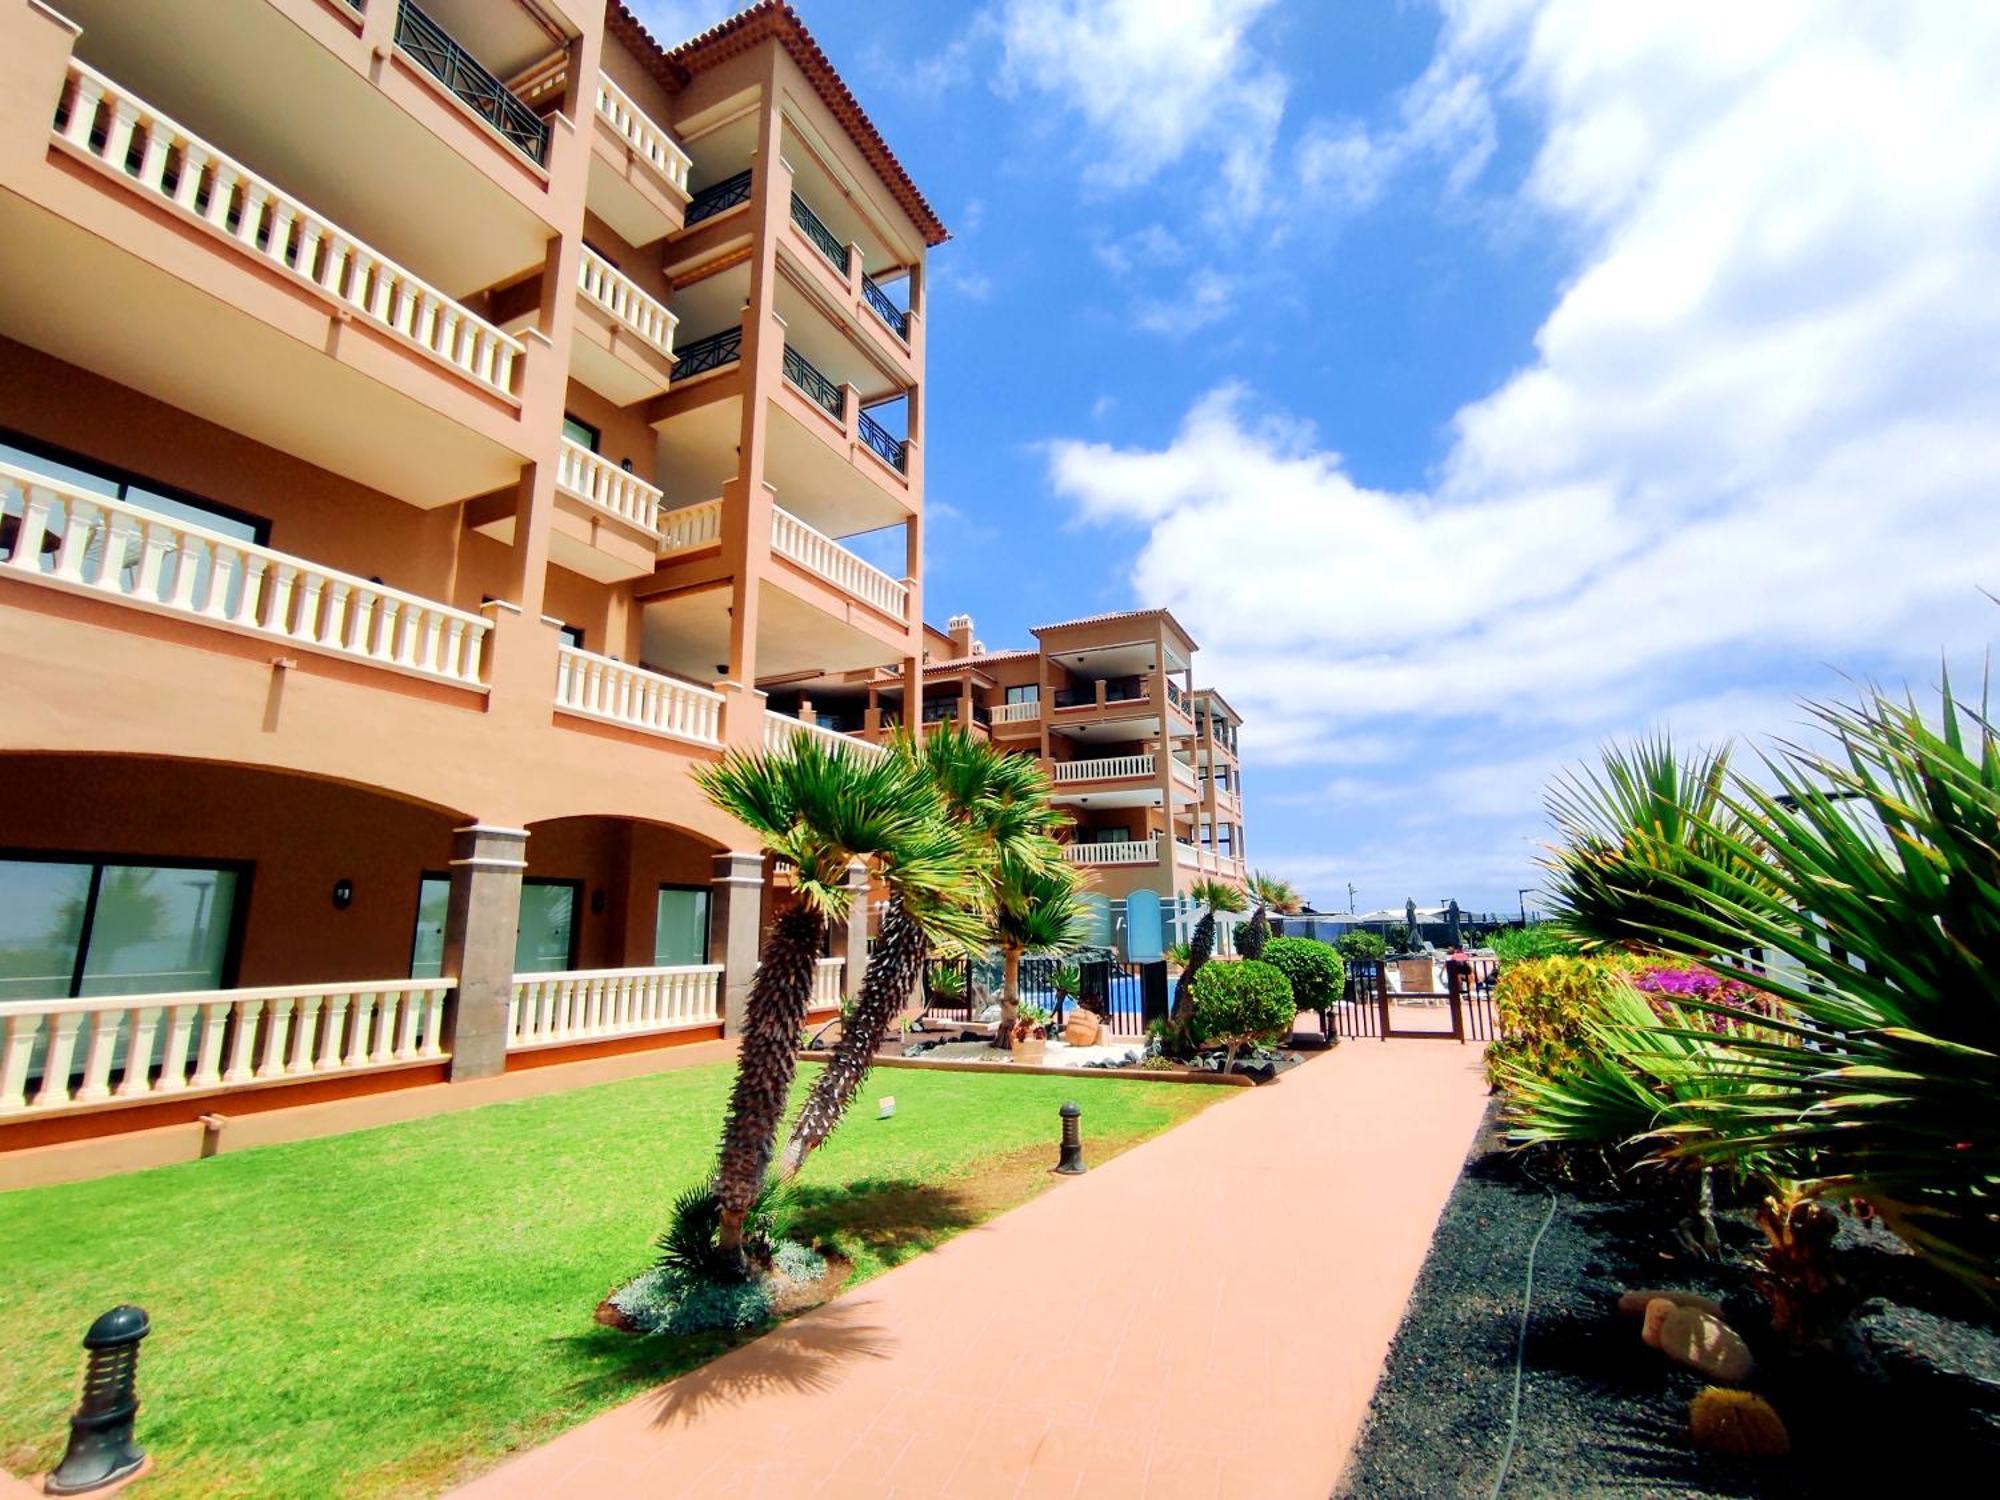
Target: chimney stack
[959, 628]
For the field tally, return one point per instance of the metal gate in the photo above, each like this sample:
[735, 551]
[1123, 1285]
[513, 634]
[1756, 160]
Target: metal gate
[1369, 1008]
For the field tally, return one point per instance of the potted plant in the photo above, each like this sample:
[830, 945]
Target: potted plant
[1029, 1038]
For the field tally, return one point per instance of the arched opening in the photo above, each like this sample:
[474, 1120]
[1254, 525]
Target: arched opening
[611, 893]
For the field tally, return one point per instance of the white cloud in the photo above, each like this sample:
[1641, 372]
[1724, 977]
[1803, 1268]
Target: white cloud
[676, 21]
[1154, 81]
[1445, 116]
[1759, 432]
[1207, 297]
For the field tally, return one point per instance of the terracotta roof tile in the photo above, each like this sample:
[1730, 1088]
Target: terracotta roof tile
[774, 19]
[1119, 614]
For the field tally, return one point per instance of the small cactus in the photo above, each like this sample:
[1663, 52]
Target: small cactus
[1739, 1423]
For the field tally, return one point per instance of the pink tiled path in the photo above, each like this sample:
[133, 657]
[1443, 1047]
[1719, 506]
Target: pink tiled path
[1203, 1316]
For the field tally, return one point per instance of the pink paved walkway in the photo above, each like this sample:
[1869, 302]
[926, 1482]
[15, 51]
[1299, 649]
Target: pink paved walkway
[1204, 1316]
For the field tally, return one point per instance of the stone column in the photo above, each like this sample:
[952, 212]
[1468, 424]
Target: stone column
[482, 918]
[735, 930]
[850, 942]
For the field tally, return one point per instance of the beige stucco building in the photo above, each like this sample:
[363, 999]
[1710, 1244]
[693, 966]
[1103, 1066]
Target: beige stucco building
[427, 428]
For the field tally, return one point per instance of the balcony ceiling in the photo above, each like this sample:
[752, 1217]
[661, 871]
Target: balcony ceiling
[508, 37]
[82, 299]
[711, 304]
[1135, 659]
[689, 634]
[240, 74]
[822, 337]
[1109, 732]
[1144, 796]
[696, 452]
[821, 487]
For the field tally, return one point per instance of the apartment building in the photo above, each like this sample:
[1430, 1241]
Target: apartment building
[427, 428]
[1143, 760]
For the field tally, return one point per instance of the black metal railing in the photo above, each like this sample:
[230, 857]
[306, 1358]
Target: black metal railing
[819, 234]
[711, 353]
[947, 709]
[1075, 697]
[718, 196]
[799, 371]
[1125, 690]
[462, 73]
[891, 450]
[897, 319]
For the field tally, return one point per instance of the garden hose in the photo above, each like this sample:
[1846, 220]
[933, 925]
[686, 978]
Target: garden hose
[1521, 1339]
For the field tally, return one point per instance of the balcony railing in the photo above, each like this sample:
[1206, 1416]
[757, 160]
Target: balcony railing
[1186, 854]
[714, 352]
[781, 729]
[602, 485]
[830, 398]
[588, 1005]
[634, 309]
[718, 197]
[55, 1054]
[1109, 768]
[1116, 690]
[823, 238]
[897, 319]
[1184, 773]
[828, 989]
[1018, 713]
[648, 141]
[57, 534]
[1127, 852]
[596, 687]
[891, 450]
[690, 527]
[462, 73]
[177, 167]
[820, 554]
[945, 711]
[1175, 696]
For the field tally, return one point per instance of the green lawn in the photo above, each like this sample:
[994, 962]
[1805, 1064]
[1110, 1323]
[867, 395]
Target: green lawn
[388, 1311]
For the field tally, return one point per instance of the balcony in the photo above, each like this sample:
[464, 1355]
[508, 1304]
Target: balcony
[822, 238]
[718, 351]
[607, 519]
[781, 729]
[1018, 718]
[718, 198]
[1105, 692]
[816, 388]
[70, 539]
[430, 45]
[892, 450]
[826, 559]
[1187, 855]
[638, 174]
[1126, 852]
[596, 687]
[690, 528]
[1110, 768]
[839, 266]
[624, 349]
[606, 488]
[171, 267]
[895, 318]
[592, 1005]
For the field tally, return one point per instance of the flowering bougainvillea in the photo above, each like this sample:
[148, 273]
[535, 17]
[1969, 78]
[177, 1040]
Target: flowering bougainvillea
[1684, 982]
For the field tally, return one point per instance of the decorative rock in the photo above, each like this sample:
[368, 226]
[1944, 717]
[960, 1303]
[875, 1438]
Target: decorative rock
[1739, 1423]
[1703, 1342]
[1633, 1304]
[1656, 1314]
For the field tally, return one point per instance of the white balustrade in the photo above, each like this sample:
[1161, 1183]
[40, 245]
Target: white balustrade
[780, 729]
[586, 1005]
[74, 538]
[596, 687]
[636, 310]
[1186, 854]
[821, 554]
[57, 1054]
[602, 485]
[690, 527]
[648, 141]
[1110, 768]
[124, 133]
[828, 984]
[1128, 852]
[1018, 713]
[1184, 774]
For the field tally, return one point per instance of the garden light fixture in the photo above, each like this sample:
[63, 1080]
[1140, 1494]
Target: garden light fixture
[101, 1449]
[1070, 1163]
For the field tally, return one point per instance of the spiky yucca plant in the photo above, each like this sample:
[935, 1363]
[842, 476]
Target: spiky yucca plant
[1868, 878]
[1271, 893]
[1212, 896]
[1633, 832]
[819, 808]
[1039, 912]
[996, 807]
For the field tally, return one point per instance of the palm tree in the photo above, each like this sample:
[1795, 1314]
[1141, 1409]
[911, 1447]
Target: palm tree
[818, 809]
[1216, 896]
[997, 806]
[1271, 893]
[1040, 911]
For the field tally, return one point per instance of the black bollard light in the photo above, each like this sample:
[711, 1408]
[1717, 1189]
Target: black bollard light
[1070, 1163]
[101, 1449]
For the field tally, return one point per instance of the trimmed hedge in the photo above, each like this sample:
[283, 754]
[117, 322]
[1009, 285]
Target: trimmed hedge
[1317, 974]
[1240, 1003]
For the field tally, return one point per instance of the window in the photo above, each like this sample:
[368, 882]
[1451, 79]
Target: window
[572, 636]
[544, 941]
[1111, 835]
[581, 433]
[83, 926]
[680, 932]
[1027, 692]
[104, 479]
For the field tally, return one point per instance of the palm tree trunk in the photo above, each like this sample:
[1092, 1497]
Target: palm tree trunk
[1010, 995]
[766, 1060]
[1254, 934]
[1200, 946]
[893, 969]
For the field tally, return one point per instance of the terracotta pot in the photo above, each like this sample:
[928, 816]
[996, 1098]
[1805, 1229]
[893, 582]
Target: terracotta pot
[1030, 1051]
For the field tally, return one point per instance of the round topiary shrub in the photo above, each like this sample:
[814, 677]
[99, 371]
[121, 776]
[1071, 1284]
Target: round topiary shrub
[1314, 968]
[1362, 945]
[1239, 1004]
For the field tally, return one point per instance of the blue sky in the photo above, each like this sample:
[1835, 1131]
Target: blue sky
[1477, 382]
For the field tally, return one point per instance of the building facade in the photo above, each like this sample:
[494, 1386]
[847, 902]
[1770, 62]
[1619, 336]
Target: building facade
[1144, 761]
[427, 432]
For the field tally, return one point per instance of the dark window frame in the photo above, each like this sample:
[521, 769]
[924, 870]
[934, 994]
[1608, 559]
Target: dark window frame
[125, 479]
[708, 917]
[596, 443]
